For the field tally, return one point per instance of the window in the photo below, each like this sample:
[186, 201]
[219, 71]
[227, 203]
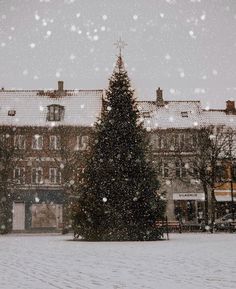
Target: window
[163, 169]
[54, 176]
[11, 112]
[82, 142]
[146, 114]
[55, 112]
[19, 142]
[37, 142]
[54, 142]
[184, 113]
[180, 169]
[234, 172]
[19, 175]
[37, 175]
[220, 173]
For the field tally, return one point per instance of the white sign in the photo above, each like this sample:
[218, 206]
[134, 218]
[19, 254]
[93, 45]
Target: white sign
[189, 196]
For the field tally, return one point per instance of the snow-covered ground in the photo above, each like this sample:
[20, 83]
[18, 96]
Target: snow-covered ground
[187, 261]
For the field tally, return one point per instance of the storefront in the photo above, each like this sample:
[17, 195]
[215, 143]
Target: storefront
[224, 202]
[189, 207]
[38, 210]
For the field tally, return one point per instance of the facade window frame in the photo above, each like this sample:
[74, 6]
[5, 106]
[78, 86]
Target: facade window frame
[37, 175]
[37, 142]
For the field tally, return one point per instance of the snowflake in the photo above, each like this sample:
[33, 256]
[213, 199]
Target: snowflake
[135, 17]
[104, 17]
[103, 28]
[162, 15]
[32, 45]
[72, 57]
[77, 15]
[36, 16]
[73, 28]
[203, 17]
[95, 37]
[36, 199]
[25, 72]
[104, 200]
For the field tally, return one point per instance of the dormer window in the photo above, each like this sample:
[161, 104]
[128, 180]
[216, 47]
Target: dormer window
[184, 113]
[11, 112]
[55, 112]
[146, 114]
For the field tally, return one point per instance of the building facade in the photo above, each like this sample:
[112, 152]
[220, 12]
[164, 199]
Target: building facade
[49, 131]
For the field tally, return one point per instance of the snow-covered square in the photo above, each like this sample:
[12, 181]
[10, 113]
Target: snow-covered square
[187, 261]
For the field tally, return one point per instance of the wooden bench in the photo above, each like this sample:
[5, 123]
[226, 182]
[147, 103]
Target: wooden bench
[169, 226]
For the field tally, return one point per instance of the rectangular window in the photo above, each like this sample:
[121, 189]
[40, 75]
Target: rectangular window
[220, 173]
[177, 169]
[180, 169]
[184, 114]
[54, 142]
[19, 142]
[55, 112]
[37, 175]
[19, 175]
[37, 142]
[165, 170]
[234, 172]
[82, 142]
[54, 176]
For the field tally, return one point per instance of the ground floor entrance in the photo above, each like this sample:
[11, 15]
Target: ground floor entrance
[189, 207]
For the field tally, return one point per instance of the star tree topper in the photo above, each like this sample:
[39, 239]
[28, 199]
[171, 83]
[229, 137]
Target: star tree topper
[120, 44]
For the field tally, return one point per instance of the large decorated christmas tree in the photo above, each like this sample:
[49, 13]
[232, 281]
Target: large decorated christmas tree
[117, 197]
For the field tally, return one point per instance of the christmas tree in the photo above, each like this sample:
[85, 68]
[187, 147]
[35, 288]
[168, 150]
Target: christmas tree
[117, 199]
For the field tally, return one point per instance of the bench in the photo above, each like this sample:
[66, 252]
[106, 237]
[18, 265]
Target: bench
[169, 226]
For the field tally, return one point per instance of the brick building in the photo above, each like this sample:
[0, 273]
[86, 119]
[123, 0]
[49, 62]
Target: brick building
[50, 130]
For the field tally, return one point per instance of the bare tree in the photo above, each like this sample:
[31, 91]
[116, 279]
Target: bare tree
[210, 149]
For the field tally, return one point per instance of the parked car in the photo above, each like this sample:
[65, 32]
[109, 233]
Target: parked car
[225, 222]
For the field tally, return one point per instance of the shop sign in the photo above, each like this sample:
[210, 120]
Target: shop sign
[189, 196]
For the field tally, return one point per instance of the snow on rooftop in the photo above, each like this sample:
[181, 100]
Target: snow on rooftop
[174, 114]
[82, 107]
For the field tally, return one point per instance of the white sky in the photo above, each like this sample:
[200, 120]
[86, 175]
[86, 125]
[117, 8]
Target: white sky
[187, 47]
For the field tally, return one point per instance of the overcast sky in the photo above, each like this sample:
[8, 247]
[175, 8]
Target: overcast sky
[187, 47]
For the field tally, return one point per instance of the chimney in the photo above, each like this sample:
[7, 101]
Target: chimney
[230, 107]
[60, 86]
[159, 97]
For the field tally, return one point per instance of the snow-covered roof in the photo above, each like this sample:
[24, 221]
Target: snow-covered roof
[218, 117]
[173, 114]
[82, 107]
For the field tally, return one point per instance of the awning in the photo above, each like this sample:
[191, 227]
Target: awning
[224, 195]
